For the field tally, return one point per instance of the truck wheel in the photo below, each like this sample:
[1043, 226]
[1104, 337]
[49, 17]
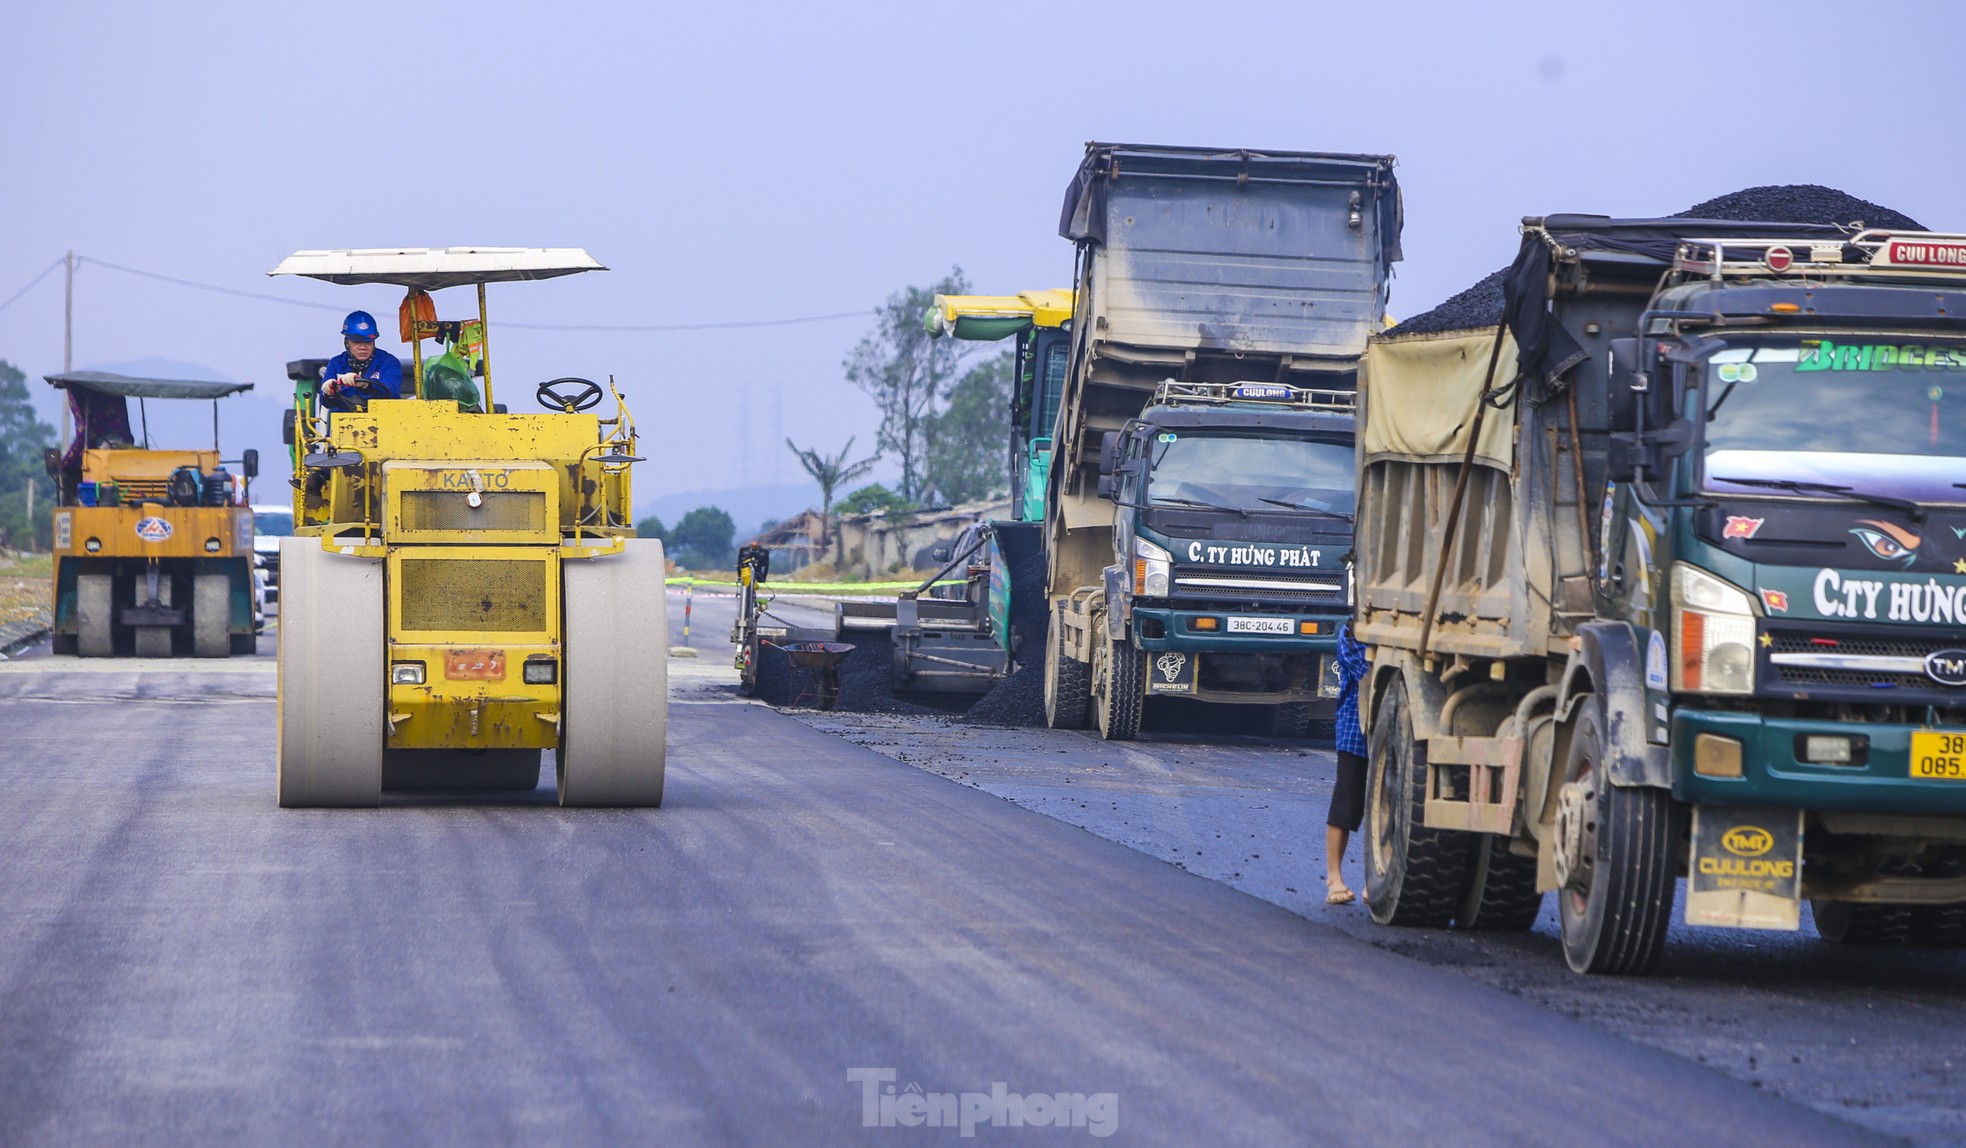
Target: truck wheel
[1414, 876]
[1067, 686]
[614, 707]
[211, 615]
[1616, 858]
[1853, 923]
[95, 611]
[1291, 720]
[1939, 926]
[331, 674]
[1119, 706]
[1502, 895]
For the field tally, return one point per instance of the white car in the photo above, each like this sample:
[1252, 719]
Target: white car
[271, 523]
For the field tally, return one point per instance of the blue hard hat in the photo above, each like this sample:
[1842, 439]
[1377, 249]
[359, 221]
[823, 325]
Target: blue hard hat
[358, 325]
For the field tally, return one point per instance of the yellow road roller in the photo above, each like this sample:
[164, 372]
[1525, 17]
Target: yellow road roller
[464, 589]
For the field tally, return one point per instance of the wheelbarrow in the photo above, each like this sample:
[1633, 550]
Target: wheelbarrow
[820, 662]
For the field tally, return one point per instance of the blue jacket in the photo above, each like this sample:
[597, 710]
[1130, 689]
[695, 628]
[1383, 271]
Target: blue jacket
[1352, 668]
[382, 380]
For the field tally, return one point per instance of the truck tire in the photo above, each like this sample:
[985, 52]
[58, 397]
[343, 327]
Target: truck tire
[614, 709]
[1119, 706]
[211, 615]
[330, 694]
[1067, 686]
[1291, 720]
[1617, 903]
[1939, 926]
[1853, 923]
[95, 613]
[1502, 894]
[1414, 876]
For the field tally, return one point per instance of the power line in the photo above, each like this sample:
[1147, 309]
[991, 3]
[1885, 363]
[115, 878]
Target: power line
[45, 272]
[862, 314]
[206, 286]
[633, 328]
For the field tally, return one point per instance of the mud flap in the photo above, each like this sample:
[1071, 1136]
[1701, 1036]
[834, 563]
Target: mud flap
[1745, 868]
[1171, 672]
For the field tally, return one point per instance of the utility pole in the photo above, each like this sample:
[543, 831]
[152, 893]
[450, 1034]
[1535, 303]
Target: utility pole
[68, 316]
[67, 343]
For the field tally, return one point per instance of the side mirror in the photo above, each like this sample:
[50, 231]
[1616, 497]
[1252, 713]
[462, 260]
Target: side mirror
[938, 554]
[1109, 452]
[287, 419]
[249, 462]
[1109, 486]
[51, 460]
[1633, 454]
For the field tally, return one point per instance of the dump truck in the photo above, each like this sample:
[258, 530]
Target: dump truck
[463, 590]
[153, 547]
[1663, 576]
[1198, 509]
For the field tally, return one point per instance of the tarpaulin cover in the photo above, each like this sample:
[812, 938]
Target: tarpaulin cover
[1420, 395]
[1547, 350]
[102, 382]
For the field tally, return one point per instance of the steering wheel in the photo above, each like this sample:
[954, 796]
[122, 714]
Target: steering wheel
[552, 399]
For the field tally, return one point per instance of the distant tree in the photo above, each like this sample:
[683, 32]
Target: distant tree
[651, 527]
[874, 497]
[831, 474]
[905, 372]
[23, 439]
[704, 539]
[968, 442]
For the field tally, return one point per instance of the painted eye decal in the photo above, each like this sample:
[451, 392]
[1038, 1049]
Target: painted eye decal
[1889, 542]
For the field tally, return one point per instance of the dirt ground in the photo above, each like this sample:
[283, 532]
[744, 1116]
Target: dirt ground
[25, 588]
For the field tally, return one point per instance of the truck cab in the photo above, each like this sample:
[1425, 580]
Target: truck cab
[1234, 503]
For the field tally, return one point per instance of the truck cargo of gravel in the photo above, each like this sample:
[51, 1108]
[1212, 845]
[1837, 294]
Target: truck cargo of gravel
[1660, 561]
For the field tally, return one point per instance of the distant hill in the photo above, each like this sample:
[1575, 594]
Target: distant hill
[748, 506]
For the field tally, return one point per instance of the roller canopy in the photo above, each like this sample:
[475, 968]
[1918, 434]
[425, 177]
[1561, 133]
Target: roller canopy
[102, 382]
[434, 268]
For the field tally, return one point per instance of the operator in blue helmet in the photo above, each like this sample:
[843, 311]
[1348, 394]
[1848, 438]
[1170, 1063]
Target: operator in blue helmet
[362, 371]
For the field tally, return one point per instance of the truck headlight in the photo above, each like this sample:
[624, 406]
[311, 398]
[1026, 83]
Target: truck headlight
[406, 673]
[1712, 634]
[1150, 569]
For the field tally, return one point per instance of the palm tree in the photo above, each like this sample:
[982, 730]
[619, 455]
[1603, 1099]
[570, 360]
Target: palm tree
[831, 474]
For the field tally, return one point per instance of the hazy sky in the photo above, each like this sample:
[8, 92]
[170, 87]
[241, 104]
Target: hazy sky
[769, 161]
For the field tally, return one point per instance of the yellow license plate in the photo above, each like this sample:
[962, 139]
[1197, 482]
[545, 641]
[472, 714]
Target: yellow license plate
[1938, 753]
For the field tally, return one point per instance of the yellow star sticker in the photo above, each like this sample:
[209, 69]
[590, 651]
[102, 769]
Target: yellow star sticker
[1767, 639]
[1959, 566]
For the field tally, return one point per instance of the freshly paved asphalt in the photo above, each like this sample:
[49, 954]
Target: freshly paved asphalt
[182, 961]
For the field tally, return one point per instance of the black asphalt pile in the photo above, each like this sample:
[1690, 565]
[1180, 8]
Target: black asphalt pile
[1799, 203]
[1481, 305]
[867, 680]
[1477, 307]
[1018, 700]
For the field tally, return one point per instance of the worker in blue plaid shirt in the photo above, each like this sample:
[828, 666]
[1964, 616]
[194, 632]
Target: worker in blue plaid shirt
[1348, 795]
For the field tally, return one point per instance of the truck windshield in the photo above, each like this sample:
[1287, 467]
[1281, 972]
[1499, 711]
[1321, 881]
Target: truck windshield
[273, 523]
[1879, 416]
[1241, 472]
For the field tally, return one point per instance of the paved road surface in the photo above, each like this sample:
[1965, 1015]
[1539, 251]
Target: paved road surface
[182, 961]
[1867, 1035]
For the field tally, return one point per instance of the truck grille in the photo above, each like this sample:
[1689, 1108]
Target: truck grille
[1243, 584]
[433, 510]
[1831, 661]
[464, 594]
